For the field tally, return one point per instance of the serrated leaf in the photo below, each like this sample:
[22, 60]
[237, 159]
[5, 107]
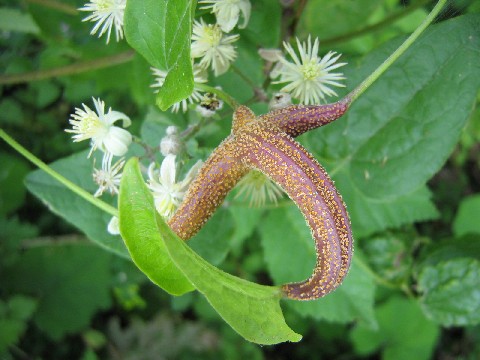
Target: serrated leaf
[451, 292]
[403, 332]
[252, 310]
[160, 32]
[466, 220]
[141, 236]
[77, 211]
[410, 120]
[286, 239]
[401, 131]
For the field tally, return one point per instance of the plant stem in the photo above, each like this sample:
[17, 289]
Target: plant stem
[220, 93]
[374, 27]
[56, 5]
[80, 67]
[60, 178]
[396, 54]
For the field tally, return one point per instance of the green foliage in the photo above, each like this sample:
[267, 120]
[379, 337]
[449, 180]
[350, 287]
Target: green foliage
[466, 220]
[91, 220]
[12, 191]
[141, 235]
[403, 332]
[252, 310]
[160, 31]
[449, 282]
[14, 20]
[411, 278]
[68, 292]
[14, 315]
[452, 292]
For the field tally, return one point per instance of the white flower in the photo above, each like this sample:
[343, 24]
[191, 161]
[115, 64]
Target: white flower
[309, 77]
[113, 226]
[227, 12]
[108, 177]
[213, 46]
[258, 187]
[167, 193]
[100, 129]
[106, 13]
[199, 77]
[171, 143]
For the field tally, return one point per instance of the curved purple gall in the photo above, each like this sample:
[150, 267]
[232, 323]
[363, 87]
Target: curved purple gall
[266, 143]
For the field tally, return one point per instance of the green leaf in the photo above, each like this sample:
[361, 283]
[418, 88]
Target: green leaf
[15, 20]
[390, 256]
[373, 215]
[77, 211]
[286, 239]
[12, 190]
[141, 236]
[160, 32]
[326, 18]
[466, 220]
[416, 123]
[71, 283]
[451, 292]
[403, 332]
[252, 310]
[401, 131]
[13, 319]
[214, 240]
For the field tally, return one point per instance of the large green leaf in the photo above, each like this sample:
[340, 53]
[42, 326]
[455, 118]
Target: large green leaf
[77, 211]
[401, 131]
[252, 310]
[140, 233]
[286, 239]
[160, 32]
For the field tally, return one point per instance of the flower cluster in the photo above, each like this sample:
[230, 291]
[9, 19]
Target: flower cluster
[211, 45]
[167, 192]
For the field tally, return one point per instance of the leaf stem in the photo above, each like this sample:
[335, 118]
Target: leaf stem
[220, 93]
[60, 178]
[56, 5]
[71, 69]
[396, 54]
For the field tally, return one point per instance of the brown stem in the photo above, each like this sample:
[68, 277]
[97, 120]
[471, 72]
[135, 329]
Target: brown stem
[76, 68]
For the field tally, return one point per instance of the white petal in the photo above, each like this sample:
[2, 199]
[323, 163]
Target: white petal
[168, 170]
[113, 116]
[116, 141]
